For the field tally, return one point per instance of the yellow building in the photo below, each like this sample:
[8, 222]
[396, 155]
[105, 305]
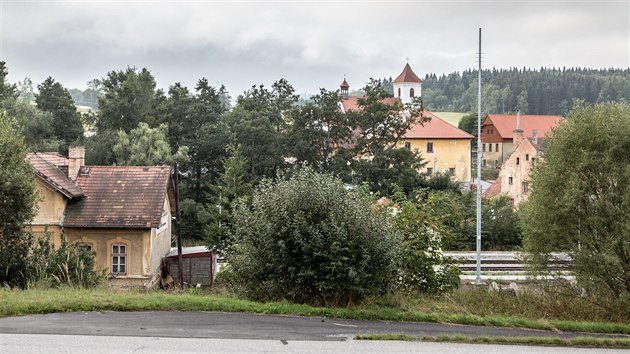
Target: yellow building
[122, 213]
[444, 147]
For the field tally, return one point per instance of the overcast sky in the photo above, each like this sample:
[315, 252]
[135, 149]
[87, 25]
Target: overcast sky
[310, 43]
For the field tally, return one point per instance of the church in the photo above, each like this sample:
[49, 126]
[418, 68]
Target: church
[444, 147]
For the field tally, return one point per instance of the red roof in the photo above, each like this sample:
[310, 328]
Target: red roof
[53, 176]
[352, 103]
[505, 124]
[119, 196]
[407, 75]
[494, 189]
[436, 128]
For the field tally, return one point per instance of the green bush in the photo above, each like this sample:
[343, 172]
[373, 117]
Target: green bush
[70, 264]
[307, 239]
[423, 268]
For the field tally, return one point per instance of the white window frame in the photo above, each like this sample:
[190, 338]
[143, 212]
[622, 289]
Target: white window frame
[119, 258]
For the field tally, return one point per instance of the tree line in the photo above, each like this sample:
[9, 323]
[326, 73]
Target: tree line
[532, 91]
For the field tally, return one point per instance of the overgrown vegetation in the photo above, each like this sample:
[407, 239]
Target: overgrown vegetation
[580, 200]
[308, 239]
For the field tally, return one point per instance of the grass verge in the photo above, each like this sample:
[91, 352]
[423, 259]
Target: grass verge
[588, 342]
[35, 301]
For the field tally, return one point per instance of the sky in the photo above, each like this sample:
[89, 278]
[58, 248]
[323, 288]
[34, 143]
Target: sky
[312, 44]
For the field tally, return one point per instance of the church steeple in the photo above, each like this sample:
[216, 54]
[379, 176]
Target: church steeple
[344, 89]
[407, 85]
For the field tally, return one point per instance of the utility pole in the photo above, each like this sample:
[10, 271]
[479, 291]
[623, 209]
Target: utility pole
[178, 231]
[478, 278]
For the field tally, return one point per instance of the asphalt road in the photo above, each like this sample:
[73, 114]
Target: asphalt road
[235, 326]
[72, 344]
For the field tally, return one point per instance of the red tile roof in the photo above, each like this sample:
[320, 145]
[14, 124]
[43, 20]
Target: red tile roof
[505, 124]
[352, 103]
[494, 189]
[119, 197]
[407, 75]
[436, 128]
[53, 176]
[53, 158]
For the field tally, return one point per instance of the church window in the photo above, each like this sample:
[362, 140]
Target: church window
[399, 92]
[411, 93]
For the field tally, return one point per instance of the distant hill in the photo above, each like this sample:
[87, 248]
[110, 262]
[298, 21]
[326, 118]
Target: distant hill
[533, 91]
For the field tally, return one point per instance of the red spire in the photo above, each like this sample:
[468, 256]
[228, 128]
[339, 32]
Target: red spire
[407, 75]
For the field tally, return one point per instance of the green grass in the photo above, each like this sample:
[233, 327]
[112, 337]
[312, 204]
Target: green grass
[452, 117]
[590, 342]
[445, 309]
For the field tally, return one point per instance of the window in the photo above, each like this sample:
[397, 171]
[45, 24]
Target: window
[85, 246]
[407, 145]
[490, 147]
[451, 171]
[119, 258]
[429, 147]
[496, 147]
[399, 92]
[510, 180]
[518, 160]
[483, 163]
[533, 159]
[526, 157]
[525, 187]
[429, 170]
[483, 147]
[411, 93]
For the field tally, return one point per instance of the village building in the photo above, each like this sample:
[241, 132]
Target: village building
[122, 213]
[444, 147]
[497, 134]
[514, 176]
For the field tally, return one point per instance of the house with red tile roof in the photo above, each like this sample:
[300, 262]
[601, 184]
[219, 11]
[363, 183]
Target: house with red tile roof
[497, 134]
[122, 213]
[444, 147]
[513, 179]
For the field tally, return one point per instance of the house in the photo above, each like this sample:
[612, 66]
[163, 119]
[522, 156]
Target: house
[122, 213]
[513, 179]
[444, 147]
[497, 134]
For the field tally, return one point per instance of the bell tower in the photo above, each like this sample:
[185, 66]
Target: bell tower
[407, 85]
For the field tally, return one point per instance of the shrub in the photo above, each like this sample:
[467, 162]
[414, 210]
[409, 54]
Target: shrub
[307, 239]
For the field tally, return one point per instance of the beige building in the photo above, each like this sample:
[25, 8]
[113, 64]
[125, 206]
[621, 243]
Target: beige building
[513, 180]
[122, 213]
[444, 147]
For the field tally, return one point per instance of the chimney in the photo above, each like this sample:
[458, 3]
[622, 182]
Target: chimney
[517, 135]
[535, 135]
[76, 159]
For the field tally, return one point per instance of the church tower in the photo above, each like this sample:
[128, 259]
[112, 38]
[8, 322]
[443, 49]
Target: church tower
[344, 89]
[407, 85]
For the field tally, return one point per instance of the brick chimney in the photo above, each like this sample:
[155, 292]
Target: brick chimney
[517, 134]
[76, 159]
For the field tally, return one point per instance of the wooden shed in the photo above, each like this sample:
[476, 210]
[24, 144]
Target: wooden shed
[198, 263]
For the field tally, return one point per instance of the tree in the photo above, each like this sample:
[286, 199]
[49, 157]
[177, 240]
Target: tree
[56, 99]
[379, 125]
[580, 198]
[36, 126]
[308, 239]
[143, 146]
[7, 91]
[129, 98]
[500, 224]
[468, 123]
[26, 90]
[230, 187]
[17, 205]
[423, 268]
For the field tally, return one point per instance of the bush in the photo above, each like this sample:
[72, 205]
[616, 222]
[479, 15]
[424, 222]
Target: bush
[423, 268]
[307, 239]
[70, 264]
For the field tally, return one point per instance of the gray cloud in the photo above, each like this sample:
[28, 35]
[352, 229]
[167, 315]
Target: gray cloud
[312, 44]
